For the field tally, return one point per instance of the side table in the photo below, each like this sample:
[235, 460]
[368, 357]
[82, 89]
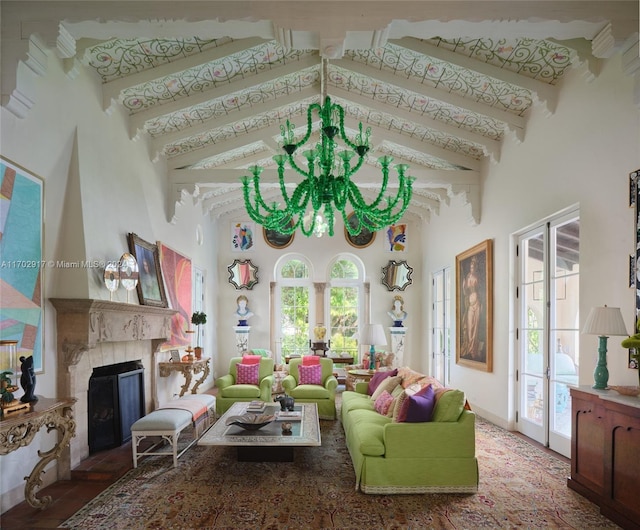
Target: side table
[18, 429]
[188, 369]
[358, 376]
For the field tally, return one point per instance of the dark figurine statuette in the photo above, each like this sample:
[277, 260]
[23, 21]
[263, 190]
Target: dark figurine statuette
[286, 402]
[28, 380]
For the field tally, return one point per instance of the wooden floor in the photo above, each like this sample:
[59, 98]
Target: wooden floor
[88, 480]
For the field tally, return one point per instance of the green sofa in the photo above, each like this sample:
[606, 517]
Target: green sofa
[429, 457]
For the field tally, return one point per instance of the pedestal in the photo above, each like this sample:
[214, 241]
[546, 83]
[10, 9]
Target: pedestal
[397, 344]
[242, 338]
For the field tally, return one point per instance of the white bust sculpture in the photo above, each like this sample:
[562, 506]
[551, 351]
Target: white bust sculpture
[397, 313]
[243, 312]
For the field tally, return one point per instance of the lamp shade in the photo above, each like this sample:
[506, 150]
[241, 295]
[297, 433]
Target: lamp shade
[373, 334]
[605, 322]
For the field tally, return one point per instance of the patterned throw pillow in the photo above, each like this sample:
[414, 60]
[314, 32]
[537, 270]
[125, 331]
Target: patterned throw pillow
[310, 375]
[247, 374]
[383, 403]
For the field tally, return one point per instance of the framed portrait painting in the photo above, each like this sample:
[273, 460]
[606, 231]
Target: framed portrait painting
[150, 286]
[474, 307]
[276, 239]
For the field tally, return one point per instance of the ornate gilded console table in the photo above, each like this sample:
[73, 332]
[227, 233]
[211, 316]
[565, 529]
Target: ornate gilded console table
[188, 369]
[18, 429]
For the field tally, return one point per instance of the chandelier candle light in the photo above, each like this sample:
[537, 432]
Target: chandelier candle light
[326, 186]
[604, 322]
[373, 334]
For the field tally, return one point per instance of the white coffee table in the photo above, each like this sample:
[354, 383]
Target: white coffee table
[267, 444]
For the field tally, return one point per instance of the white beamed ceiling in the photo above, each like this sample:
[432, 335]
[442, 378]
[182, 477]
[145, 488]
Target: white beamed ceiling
[440, 84]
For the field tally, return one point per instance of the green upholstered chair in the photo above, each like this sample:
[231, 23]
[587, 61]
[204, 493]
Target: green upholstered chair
[324, 394]
[229, 391]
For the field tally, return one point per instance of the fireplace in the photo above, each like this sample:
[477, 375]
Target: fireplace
[116, 402]
[97, 333]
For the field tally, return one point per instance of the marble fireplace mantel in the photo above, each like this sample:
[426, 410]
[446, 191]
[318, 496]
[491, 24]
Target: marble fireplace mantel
[84, 323]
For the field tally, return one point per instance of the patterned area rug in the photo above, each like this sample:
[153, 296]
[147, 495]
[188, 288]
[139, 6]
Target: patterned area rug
[520, 487]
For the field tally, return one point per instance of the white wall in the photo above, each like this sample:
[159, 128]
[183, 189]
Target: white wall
[582, 154]
[320, 251]
[82, 154]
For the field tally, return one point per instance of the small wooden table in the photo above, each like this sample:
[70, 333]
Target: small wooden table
[188, 369]
[357, 376]
[18, 429]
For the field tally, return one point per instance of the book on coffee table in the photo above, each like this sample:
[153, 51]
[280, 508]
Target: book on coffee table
[256, 406]
[287, 415]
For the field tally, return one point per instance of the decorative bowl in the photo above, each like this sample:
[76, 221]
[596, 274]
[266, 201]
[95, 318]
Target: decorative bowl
[627, 390]
[251, 422]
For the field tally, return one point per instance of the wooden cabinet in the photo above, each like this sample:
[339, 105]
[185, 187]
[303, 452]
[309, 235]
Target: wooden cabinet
[605, 452]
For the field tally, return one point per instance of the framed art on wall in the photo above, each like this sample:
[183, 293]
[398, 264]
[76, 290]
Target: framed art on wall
[276, 239]
[474, 307]
[396, 238]
[242, 235]
[176, 270]
[21, 270]
[150, 286]
[361, 240]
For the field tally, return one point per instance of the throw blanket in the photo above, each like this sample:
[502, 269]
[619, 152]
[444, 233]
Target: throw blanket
[194, 406]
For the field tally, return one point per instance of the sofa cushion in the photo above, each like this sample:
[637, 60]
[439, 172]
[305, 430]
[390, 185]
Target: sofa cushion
[251, 359]
[353, 400]
[378, 377]
[310, 360]
[310, 375]
[449, 406]
[309, 392]
[420, 406]
[247, 374]
[387, 384]
[396, 393]
[240, 391]
[383, 402]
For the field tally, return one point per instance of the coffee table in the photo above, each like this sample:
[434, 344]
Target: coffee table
[267, 444]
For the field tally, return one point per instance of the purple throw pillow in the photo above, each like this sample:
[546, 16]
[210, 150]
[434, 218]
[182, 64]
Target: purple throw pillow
[421, 404]
[377, 378]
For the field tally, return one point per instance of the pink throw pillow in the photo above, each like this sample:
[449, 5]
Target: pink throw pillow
[310, 375]
[378, 377]
[310, 360]
[383, 402]
[251, 359]
[247, 374]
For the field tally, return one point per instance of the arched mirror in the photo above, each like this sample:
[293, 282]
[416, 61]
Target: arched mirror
[397, 275]
[243, 274]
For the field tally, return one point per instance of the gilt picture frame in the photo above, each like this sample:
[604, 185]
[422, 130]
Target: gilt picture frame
[150, 286]
[361, 240]
[276, 239]
[474, 307]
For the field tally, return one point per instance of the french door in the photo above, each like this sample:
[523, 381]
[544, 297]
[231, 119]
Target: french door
[441, 329]
[547, 334]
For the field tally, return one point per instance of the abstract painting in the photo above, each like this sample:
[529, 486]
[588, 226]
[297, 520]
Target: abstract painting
[176, 270]
[21, 264]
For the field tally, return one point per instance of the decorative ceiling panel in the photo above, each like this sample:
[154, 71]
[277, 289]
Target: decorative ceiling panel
[233, 102]
[538, 59]
[203, 77]
[394, 96]
[446, 76]
[122, 57]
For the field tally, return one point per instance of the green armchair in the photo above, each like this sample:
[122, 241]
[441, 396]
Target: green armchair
[324, 394]
[229, 391]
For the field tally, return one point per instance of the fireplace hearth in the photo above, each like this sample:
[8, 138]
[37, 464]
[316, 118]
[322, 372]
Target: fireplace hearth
[116, 402]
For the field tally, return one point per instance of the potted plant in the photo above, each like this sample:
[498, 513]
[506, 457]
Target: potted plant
[197, 319]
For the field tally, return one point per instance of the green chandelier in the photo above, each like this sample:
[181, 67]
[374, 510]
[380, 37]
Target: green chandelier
[326, 187]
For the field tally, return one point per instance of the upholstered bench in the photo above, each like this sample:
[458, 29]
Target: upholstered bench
[168, 422]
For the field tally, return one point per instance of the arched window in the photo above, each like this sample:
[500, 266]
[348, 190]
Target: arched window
[345, 296]
[294, 300]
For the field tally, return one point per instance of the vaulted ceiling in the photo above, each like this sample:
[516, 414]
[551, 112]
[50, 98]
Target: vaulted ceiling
[439, 96]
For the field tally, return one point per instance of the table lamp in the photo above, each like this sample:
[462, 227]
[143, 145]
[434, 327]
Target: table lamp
[373, 334]
[604, 322]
